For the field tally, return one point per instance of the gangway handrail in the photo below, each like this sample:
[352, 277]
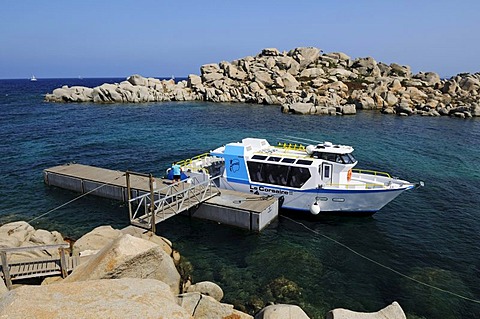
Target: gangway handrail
[172, 198]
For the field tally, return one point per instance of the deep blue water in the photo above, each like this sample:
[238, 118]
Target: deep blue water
[431, 234]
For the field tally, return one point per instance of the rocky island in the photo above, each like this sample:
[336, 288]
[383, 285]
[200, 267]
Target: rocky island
[302, 81]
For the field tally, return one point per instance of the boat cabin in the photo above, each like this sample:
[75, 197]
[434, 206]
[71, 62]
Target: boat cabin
[255, 160]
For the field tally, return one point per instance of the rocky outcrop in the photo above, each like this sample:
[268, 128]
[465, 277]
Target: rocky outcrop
[135, 276]
[22, 234]
[296, 79]
[392, 311]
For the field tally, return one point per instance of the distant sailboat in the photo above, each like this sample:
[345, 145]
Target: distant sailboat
[33, 78]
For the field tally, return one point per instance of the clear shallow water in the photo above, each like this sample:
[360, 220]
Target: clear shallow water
[431, 234]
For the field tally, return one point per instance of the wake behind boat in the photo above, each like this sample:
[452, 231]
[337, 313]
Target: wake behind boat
[316, 178]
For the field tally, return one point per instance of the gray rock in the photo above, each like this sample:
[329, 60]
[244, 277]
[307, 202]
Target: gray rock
[348, 109]
[131, 257]
[301, 108]
[368, 63]
[207, 288]
[206, 307]
[401, 70]
[270, 52]
[311, 73]
[263, 77]
[388, 110]
[393, 311]
[430, 78]
[137, 79]
[22, 234]
[121, 298]
[210, 68]
[281, 311]
[305, 56]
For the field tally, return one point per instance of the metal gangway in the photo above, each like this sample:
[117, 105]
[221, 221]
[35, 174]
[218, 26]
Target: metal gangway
[37, 267]
[162, 203]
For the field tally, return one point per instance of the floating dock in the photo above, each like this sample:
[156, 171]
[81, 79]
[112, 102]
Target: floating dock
[157, 199]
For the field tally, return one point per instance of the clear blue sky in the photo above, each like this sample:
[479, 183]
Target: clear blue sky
[163, 38]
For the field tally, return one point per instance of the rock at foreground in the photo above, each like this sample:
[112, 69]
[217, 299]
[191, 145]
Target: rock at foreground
[207, 288]
[120, 298]
[281, 311]
[131, 257]
[393, 311]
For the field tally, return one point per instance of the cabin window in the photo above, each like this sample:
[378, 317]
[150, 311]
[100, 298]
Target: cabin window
[259, 157]
[353, 159]
[275, 174]
[304, 162]
[274, 159]
[288, 160]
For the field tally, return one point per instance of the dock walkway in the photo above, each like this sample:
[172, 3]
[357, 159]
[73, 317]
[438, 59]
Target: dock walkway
[201, 199]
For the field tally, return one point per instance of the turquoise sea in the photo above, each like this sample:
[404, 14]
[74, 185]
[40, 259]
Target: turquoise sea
[427, 237]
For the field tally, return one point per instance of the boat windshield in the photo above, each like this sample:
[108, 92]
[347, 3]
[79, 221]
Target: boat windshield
[337, 158]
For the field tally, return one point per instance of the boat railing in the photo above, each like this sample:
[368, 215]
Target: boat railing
[189, 161]
[370, 172]
[291, 147]
[357, 185]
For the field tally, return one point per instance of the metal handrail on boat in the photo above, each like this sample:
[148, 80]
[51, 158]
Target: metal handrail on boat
[370, 172]
[356, 185]
[290, 146]
[188, 161]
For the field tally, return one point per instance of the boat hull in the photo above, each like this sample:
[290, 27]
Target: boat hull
[332, 201]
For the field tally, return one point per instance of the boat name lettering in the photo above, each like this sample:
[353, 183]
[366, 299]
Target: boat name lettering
[254, 189]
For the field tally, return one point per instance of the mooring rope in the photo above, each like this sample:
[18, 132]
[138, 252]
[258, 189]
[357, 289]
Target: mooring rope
[75, 199]
[382, 265]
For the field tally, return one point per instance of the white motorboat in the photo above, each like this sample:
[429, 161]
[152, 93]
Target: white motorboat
[316, 178]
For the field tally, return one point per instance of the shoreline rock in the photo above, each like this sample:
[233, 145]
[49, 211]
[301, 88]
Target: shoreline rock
[301, 81]
[128, 276]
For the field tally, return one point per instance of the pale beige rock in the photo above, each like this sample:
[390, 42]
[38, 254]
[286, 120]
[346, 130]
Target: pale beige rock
[289, 82]
[392, 311]
[3, 289]
[301, 108]
[206, 307]
[96, 239]
[207, 288]
[137, 79]
[21, 234]
[305, 56]
[121, 298]
[129, 257]
[282, 311]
